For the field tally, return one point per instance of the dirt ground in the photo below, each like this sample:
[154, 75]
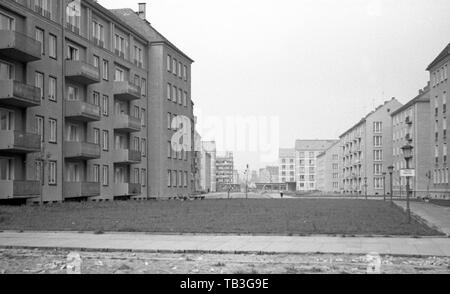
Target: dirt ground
[25, 261]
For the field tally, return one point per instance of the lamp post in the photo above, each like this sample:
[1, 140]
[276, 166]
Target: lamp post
[365, 186]
[384, 186]
[391, 172]
[407, 153]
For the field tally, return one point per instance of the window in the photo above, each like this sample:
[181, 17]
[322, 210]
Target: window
[169, 63]
[169, 92]
[174, 66]
[98, 33]
[52, 47]
[169, 178]
[52, 173]
[144, 147]
[174, 94]
[6, 71]
[185, 72]
[180, 96]
[120, 45]
[73, 16]
[105, 140]
[136, 145]
[6, 22]
[143, 117]
[377, 141]
[377, 155]
[96, 173]
[96, 98]
[138, 57]
[40, 37]
[174, 179]
[179, 70]
[119, 75]
[105, 70]
[144, 177]
[377, 127]
[185, 99]
[105, 175]
[52, 88]
[97, 136]
[169, 149]
[144, 87]
[377, 169]
[39, 171]
[73, 53]
[53, 130]
[72, 93]
[180, 179]
[40, 126]
[105, 105]
[96, 61]
[169, 121]
[39, 83]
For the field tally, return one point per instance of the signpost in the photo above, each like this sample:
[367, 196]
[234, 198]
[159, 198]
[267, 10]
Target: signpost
[408, 173]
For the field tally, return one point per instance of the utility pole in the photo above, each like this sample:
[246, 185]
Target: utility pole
[384, 186]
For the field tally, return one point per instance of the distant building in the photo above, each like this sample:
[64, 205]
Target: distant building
[367, 151]
[269, 174]
[328, 170]
[286, 164]
[224, 171]
[236, 178]
[439, 89]
[210, 148]
[306, 152]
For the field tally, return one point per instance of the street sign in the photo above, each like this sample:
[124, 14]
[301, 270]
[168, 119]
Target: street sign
[408, 173]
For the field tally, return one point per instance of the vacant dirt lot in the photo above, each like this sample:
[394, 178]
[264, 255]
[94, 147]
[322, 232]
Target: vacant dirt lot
[20, 261]
[257, 216]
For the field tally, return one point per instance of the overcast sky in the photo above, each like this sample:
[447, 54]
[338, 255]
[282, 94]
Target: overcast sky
[318, 65]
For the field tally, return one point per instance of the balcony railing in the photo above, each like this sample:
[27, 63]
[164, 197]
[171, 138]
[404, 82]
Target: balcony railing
[13, 93]
[19, 47]
[127, 156]
[19, 189]
[19, 142]
[127, 91]
[82, 111]
[81, 150]
[126, 123]
[81, 189]
[126, 189]
[82, 72]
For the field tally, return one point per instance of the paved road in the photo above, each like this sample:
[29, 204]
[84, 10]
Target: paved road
[227, 244]
[251, 195]
[438, 216]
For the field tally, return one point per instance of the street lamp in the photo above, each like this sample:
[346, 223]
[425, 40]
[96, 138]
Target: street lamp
[407, 153]
[391, 172]
[384, 186]
[365, 186]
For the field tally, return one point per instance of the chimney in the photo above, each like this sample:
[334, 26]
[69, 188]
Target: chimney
[142, 10]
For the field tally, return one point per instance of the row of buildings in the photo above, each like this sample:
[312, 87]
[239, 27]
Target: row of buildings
[362, 159]
[88, 98]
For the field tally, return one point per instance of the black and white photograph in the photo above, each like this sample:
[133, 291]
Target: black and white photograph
[206, 140]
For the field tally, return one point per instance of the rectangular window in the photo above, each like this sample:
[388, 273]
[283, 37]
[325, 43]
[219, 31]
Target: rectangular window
[169, 92]
[6, 23]
[73, 53]
[96, 173]
[143, 117]
[174, 66]
[174, 94]
[169, 63]
[52, 90]
[105, 175]
[119, 75]
[39, 83]
[97, 136]
[377, 141]
[96, 98]
[53, 130]
[378, 155]
[40, 37]
[40, 126]
[96, 61]
[39, 171]
[185, 99]
[52, 47]
[169, 121]
[105, 70]
[378, 127]
[144, 147]
[185, 72]
[179, 70]
[180, 96]
[169, 178]
[105, 140]
[105, 105]
[169, 149]
[144, 177]
[52, 173]
[144, 87]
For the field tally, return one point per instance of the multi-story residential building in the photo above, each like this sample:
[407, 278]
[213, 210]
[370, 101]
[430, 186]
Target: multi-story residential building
[328, 170]
[439, 89]
[171, 171]
[411, 124]
[367, 151]
[306, 152]
[224, 171]
[210, 148]
[286, 163]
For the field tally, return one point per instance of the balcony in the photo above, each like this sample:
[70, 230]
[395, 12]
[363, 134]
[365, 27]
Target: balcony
[82, 72]
[13, 189]
[126, 91]
[127, 156]
[19, 142]
[81, 189]
[126, 123]
[13, 93]
[408, 137]
[126, 189]
[408, 120]
[82, 111]
[81, 150]
[19, 47]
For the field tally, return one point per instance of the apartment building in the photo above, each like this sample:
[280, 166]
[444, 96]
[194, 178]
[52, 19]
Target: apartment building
[286, 163]
[210, 148]
[439, 89]
[306, 152]
[411, 124]
[367, 151]
[328, 169]
[171, 171]
[224, 171]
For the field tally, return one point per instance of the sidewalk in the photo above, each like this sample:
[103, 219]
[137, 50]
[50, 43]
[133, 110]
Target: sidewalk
[226, 244]
[438, 216]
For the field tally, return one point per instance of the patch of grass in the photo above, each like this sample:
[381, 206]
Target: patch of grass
[98, 232]
[219, 264]
[238, 216]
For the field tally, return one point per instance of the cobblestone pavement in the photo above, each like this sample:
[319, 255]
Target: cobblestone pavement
[24, 261]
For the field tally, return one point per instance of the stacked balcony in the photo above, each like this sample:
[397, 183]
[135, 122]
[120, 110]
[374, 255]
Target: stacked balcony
[126, 189]
[14, 93]
[126, 123]
[74, 190]
[126, 91]
[81, 151]
[82, 111]
[19, 142]
[12, 189]
[19, 47]
[127, 156]
[82, 72]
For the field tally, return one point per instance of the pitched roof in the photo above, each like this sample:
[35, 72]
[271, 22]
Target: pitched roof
[314, 144]
[423, 97]
[286, 152]
[440, 57]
